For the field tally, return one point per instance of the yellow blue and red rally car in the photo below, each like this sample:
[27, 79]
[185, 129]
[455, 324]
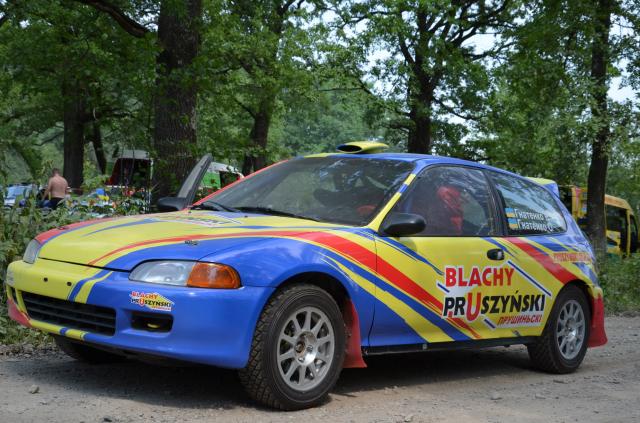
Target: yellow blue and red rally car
[310, 265]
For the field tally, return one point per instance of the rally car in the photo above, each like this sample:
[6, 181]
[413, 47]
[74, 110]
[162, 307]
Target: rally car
[313, 264]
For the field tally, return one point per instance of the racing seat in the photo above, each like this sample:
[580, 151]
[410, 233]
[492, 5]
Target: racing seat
[444, 212]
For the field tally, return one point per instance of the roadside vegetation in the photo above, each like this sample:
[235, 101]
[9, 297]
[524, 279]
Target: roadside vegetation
[18, 225]
[620, 280]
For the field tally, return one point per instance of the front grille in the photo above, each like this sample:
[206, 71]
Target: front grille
[73, 315]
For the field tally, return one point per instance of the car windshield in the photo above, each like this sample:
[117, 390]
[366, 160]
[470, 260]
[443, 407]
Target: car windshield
[347, 190]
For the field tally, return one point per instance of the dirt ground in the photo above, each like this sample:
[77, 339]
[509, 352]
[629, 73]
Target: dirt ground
[491, 385]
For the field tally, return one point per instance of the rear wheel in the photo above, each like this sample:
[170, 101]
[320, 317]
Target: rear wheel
[297, 350]
[563, 343]
[82, 352]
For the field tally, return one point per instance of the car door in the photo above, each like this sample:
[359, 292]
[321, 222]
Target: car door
[544, 247]
[436, 281]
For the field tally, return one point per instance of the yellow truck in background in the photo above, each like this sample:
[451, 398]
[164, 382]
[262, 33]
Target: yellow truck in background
[621, 223]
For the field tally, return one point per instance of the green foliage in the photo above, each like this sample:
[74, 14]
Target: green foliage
[19, 225]
[620, 280]
[424, 60]
[54, 53]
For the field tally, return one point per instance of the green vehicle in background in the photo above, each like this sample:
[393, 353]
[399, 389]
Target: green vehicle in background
[217, 176]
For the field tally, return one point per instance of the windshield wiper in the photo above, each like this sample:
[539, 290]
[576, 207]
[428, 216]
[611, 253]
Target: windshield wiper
[215, 206]
[269, 210]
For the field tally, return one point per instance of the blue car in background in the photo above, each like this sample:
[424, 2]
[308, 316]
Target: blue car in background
[18, 192]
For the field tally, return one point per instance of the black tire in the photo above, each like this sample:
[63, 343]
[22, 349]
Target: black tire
[85, 353]
[262, 378]
[545, 353]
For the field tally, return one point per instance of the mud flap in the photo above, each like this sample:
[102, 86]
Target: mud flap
[598, 336]
[353, 355]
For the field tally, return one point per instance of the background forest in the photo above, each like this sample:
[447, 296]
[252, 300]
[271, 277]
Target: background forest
[545, 88]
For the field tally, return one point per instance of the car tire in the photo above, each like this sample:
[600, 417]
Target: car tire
[85, 353]
[294, 366]
[563, 343]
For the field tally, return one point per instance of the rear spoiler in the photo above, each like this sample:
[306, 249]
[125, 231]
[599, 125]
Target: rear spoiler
[549, 184]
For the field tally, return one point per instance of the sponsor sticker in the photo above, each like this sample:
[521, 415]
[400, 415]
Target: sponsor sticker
[151, 300]
[571, 256]
[526, 220]
[512, 309]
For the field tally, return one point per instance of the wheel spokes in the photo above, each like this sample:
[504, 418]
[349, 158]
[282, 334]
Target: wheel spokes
[305, 348]
[570, 329]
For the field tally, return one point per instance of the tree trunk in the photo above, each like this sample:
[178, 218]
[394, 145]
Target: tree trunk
[174, 135]
[96, 140]
[596, 184]
[73, 115]
[259, 136]
[419, 139]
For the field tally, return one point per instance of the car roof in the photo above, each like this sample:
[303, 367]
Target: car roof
[424, 159]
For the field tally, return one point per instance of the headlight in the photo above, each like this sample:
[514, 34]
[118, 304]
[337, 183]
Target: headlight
[187, 273]
[165, 272]
[31, 253]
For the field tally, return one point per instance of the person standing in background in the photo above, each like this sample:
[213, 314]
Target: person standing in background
[56, 189]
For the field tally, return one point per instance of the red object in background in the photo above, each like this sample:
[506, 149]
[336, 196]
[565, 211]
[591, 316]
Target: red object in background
[452, 202]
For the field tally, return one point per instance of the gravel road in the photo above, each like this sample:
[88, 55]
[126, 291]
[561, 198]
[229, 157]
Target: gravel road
[491, 385]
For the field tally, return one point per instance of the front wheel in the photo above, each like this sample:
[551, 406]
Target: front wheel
[297, 350]
[563, 343]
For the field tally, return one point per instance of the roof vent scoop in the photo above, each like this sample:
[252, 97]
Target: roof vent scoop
[362, 147]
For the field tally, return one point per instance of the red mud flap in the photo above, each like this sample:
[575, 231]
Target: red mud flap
[598, 336]
[353, 356]
[16, 314]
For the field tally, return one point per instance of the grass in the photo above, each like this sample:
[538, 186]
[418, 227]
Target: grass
[18, 226]
[620, 280]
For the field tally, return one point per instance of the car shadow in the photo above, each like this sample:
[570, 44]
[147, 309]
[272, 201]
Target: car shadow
[206, 387]
[403, 370]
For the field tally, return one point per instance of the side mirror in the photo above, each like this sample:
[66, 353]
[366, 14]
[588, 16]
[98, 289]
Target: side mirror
[169, 204]
[403, 224]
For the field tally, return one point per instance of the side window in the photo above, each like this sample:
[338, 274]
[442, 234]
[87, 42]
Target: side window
[616, 219]
[616, 227]
[454, 201]
[530, 208]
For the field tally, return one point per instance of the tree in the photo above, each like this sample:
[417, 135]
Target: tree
[600, 145]
[271, 47]
[175, 100]
[427, 58]
[552, 96]
[66, 67]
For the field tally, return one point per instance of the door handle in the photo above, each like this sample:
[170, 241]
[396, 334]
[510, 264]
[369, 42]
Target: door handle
[495, 254]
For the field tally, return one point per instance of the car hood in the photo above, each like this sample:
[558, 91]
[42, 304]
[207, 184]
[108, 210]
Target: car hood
[122, 243]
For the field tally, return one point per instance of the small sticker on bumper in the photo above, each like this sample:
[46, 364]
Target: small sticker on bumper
[151, 300]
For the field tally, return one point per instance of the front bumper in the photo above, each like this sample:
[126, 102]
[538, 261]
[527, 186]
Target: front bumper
[208, 326]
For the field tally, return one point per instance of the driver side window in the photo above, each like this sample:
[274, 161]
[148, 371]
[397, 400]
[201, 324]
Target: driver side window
[454, 201]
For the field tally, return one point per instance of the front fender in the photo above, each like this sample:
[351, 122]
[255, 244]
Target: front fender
[274, 261]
